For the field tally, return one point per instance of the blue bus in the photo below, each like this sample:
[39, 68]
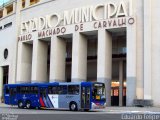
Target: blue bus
[72, 96]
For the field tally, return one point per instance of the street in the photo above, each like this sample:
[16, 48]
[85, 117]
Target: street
[109, 113]
[49, 114]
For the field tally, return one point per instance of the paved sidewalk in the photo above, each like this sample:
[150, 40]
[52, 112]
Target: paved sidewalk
[133, 110]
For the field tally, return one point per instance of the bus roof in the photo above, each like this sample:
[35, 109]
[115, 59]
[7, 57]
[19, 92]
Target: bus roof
[46, 84]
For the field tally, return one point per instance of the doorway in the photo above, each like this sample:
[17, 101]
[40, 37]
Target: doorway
[4, 80]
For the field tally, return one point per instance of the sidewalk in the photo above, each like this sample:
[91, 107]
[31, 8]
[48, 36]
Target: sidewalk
[153, 110]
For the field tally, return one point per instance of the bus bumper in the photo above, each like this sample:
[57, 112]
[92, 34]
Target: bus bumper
[98, 106]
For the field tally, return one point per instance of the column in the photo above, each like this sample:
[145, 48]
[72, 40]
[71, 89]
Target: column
[4, 12]
[121, 83]
[39, 61]
[148, 49]
[131, 64]
[18, 6]
[27, 3]
[104, 72]
[58, 59]
[79, 57]
[140, 48]
[14, 6]
[1, 83]
[155, 48]
[24, 63]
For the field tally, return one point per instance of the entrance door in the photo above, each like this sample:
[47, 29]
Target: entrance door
[115, 96]
[85, 97]
[4, 79]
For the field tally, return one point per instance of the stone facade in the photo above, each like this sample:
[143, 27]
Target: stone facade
[37, 51]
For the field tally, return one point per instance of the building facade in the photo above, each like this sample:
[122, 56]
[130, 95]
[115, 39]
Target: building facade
[110, 41]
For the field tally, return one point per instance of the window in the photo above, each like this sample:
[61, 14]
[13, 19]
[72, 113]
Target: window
[23, 3]
[52, 90]
[8, 24]
[5, 53]
[13, 91]
[1, 13]
[98, 91]
[9, 9]
[34, 2]
[73, 89]
[7, 90]
[34, 90]
[62, 89]
[24, 90]
[27, 90]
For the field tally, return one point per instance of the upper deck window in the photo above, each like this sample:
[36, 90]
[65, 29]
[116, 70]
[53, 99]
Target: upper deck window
[32, 2]
[9, 9]
[23, 3]
[1, 13]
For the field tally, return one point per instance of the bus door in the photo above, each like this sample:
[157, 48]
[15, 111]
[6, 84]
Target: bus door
[12, 96]
[85, 97]
[44, 99]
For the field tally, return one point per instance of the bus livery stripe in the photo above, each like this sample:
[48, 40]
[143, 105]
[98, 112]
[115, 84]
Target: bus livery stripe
[49, 102]
[54, 100]
[45, 102]
[41, 102]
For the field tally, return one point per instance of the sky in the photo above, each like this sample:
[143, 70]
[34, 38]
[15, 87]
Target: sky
[1, 1]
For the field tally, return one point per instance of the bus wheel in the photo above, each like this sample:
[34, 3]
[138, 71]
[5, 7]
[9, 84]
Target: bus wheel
[28, 104]
[20, 104]
[73, 106]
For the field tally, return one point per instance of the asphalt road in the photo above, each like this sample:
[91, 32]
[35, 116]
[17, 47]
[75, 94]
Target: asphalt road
[14, 113]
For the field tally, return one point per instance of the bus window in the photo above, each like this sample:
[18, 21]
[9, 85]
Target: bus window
[7, 90]
[43, 92]
[98, 92]
[21, 90]
[18, 89]
[73, 89]
[24, 90]
[28, 90]
[13, 91]
[52, 90]
[33, 90]
[62, 89]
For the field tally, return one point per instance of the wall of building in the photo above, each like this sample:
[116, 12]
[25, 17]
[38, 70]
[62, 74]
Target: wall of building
[57, 6]
[155, 50]
[8, 41]
[143, 74]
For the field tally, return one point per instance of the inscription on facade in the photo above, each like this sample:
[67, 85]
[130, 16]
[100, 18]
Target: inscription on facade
[77, 16]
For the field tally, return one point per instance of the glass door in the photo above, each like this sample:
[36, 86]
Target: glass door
[85, 97]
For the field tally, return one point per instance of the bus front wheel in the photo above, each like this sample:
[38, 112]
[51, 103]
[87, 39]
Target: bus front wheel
[73, 106]
[20, 104]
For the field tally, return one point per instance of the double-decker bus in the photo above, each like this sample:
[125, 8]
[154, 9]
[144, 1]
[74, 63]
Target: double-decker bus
[72, 96]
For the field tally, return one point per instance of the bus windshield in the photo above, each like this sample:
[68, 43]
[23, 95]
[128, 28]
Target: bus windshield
[98, 92]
